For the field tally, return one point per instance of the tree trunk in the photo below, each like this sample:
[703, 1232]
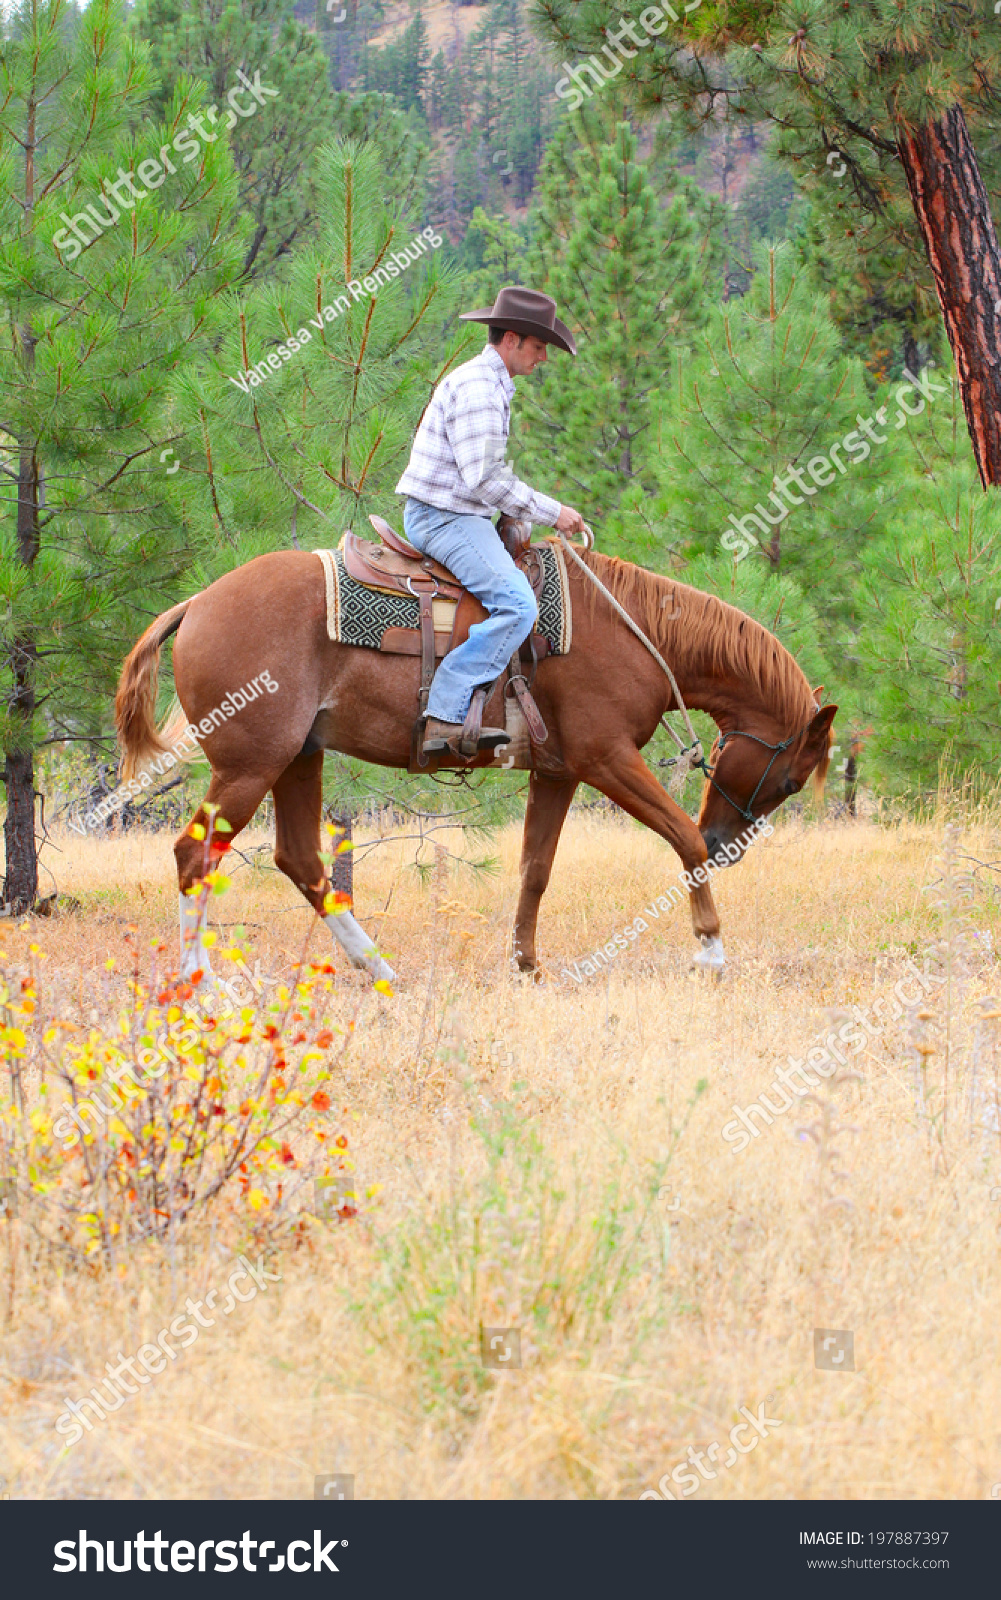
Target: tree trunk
[954, 215]
[21, 880]
[851, 785]
[342, 873]
[20, 887]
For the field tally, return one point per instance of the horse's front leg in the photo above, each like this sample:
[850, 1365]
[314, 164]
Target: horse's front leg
[624, 777]
[548, 803]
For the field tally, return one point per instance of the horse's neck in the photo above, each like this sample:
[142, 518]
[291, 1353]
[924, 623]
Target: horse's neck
[706, 680]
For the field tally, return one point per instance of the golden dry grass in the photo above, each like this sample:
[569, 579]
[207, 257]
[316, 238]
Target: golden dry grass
[524, 1137]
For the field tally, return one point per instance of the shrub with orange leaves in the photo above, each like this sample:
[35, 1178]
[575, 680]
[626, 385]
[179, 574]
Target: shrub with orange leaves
[176, 1103]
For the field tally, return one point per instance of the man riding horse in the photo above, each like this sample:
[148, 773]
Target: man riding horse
[456, 477]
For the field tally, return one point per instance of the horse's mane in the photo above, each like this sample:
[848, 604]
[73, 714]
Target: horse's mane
[734, 644]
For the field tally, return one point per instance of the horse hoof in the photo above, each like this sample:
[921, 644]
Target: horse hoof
[711, 957]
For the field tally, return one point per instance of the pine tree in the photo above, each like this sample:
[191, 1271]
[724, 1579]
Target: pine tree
[106, 296]
[400, 68]
[274, 138]
[767, 392]
[890, 85]
[625, 265]
[303, 423]
[495, 251]
[929, 640]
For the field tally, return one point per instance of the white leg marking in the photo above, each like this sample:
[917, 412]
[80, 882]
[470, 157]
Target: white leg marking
[357, 945]
[711, 955]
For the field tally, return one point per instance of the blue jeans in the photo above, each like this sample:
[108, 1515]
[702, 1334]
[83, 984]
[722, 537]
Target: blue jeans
[471, 548]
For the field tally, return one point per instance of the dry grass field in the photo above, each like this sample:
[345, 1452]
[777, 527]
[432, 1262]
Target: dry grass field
[549, 1158]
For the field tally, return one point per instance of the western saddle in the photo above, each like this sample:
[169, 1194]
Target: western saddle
[447, 611]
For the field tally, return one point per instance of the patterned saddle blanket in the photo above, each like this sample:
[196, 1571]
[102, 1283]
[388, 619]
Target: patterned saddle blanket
[376, 619]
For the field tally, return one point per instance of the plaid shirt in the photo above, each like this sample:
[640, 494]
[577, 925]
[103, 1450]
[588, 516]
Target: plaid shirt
[457, 461]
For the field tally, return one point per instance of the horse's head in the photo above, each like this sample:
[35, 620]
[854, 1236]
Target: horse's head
[753, 769]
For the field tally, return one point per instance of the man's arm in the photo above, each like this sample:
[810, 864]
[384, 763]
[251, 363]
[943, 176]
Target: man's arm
[475, 430]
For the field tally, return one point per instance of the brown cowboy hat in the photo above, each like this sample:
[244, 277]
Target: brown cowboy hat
[526, 311]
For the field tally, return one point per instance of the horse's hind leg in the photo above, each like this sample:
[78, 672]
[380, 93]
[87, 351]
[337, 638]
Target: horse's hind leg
[298, 808]
[234, 800]
[548, 804]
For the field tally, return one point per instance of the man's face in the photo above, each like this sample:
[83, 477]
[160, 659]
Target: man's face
[522, 357]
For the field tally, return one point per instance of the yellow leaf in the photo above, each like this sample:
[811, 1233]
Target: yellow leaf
[256, 1198]
[196, 831]
[383, 987]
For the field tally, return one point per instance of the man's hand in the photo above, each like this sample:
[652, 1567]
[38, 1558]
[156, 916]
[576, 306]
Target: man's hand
[569, 521]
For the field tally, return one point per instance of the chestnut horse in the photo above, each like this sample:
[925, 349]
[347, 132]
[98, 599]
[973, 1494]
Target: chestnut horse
[601, 703]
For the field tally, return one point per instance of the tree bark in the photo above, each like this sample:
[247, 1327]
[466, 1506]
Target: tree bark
[954, 215]
[21, 877]
[851, 785]
[20, 890]
[342, 872]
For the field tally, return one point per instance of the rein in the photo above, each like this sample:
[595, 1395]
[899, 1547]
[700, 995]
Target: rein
[690, 757]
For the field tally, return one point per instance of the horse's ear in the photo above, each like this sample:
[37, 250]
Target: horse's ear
[822, 721]
[818, 691]
[820, 735]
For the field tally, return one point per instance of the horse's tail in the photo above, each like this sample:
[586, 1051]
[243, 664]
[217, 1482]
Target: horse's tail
[135, 702]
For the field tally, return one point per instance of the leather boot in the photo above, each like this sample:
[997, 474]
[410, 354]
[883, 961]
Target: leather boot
[440, 736]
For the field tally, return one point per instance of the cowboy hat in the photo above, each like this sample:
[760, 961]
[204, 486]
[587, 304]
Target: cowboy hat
[526, 311]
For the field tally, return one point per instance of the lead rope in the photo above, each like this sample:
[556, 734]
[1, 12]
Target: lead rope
[689, 756]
